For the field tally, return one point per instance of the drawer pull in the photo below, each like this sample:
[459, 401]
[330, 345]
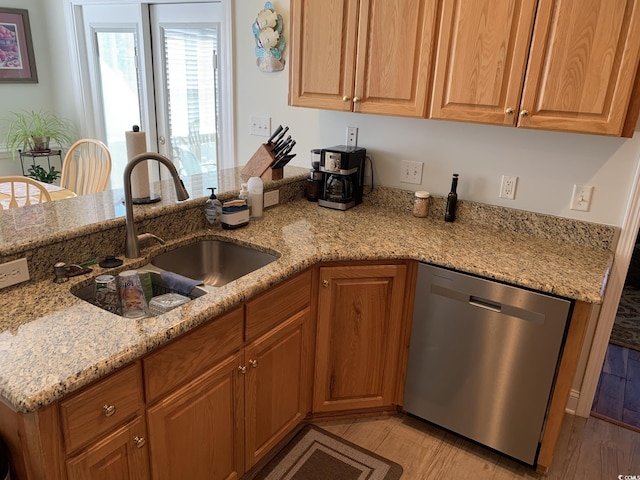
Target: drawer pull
[139, 442]
[108, 410]
[325, 283]
[253, 363]
[242, 369]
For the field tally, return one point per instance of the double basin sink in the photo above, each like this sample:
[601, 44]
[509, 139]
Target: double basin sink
[214, 262]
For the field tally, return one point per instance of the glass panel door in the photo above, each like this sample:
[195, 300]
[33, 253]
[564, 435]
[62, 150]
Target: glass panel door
[118, 75]
[187, 80]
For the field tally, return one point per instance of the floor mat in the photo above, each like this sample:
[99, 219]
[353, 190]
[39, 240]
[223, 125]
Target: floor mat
[315, 454]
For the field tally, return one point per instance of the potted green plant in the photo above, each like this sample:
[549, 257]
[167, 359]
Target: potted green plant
[39, 173]
[34, 130]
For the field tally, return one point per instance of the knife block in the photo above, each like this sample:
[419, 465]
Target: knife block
[259, 165]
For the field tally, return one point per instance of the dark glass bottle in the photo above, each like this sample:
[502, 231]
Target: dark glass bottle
[452, 200]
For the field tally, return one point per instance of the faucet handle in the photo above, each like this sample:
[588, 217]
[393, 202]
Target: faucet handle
[60, 271]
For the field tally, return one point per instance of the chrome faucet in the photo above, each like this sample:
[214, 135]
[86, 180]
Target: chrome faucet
[132, 246]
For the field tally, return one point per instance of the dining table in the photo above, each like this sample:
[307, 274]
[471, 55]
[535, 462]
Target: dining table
[56, 192]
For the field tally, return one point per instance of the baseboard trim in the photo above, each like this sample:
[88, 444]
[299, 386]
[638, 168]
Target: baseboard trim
[572, 402]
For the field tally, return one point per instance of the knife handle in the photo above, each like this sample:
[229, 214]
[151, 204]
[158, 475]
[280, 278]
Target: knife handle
[275, 134]
[282, 133]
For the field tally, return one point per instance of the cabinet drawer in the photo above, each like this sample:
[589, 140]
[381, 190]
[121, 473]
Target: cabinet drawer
[192, 354]
[101, 407]
[278, 304]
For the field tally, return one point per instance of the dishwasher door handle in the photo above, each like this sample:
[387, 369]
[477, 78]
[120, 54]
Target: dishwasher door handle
[486, 304]
[491, 305]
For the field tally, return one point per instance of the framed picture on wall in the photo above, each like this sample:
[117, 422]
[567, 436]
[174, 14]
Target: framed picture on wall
[17, 62]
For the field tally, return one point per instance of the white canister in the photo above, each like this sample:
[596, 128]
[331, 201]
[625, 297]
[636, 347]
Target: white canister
[256, 196]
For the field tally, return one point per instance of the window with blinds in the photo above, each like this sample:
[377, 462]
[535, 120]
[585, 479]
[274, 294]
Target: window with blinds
[192, 88]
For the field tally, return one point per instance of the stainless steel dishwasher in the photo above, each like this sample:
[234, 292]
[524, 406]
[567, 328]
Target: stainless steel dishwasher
[483, 359]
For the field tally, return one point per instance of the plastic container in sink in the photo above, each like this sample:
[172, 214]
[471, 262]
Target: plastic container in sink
[168, 301]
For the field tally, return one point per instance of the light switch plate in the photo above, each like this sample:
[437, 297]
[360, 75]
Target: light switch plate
[581, 198]
[260, 126]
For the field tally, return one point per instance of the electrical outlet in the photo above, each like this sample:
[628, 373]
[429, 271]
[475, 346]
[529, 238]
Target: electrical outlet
[411, 172]
[352, 136]
[13, 272]
[260, 126]
[581, 198]
[508, 187]
[272, 197]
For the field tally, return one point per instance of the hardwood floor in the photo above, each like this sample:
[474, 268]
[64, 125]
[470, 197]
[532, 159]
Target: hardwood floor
[588, 449]
[618, 393]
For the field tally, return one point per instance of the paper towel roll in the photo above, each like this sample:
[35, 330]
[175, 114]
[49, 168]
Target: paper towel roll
[136, 144]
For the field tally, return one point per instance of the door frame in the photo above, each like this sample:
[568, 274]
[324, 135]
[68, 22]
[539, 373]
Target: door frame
[83, 101]
[613, 293]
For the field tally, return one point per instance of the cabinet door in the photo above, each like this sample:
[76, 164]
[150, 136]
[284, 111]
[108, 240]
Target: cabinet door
[278, 383]
[197, 432]
[122, 454]
[582, 65]
[360, 315]
[323, 50]
[483, 47]
[395, 45]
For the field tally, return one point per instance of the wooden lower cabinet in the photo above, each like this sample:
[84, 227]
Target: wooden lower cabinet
[224, 421]
[359, 331]
[121, 454]
[237, 387]
[278, 380]
[196, 432]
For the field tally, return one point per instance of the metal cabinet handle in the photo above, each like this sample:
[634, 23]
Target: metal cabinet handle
[356, 99]
[524, 113]
[108, 410]
[325, 283]
[242, 369]
[139, 442]
[253, 363]
[345, 99]
[509, 111]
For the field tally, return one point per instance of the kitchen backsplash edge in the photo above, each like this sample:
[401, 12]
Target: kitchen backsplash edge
[539, 225]
[173, 223]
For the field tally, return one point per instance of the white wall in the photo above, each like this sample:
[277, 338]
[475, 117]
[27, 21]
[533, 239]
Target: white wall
[55, 90]
[547, 163]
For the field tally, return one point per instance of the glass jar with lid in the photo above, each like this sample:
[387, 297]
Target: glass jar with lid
[421, 204]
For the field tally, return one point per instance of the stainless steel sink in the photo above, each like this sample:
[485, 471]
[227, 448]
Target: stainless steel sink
[214, 262]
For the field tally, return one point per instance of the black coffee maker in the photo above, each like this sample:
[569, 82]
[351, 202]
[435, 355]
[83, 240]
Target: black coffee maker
[342, 169]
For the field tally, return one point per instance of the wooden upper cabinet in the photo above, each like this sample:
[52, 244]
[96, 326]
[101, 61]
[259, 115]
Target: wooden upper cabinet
[482, 54]
[580, 58]
[323, 50]
[372, 56]
[582, 66]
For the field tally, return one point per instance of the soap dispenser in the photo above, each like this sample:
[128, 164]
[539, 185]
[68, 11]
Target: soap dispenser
[213, 208]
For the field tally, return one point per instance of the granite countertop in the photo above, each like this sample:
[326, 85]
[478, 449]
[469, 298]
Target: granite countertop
[52, 343]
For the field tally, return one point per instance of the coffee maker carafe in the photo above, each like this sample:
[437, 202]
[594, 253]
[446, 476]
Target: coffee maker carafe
[342, 168]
